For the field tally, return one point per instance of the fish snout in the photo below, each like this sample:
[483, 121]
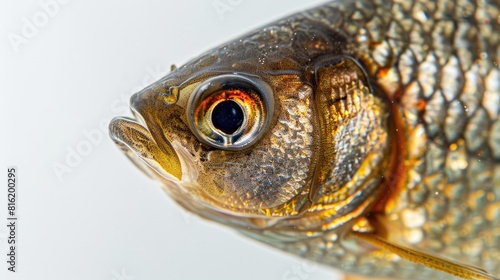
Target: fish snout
[136, 140]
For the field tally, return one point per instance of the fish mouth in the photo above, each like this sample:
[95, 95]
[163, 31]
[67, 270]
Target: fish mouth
[144, 142]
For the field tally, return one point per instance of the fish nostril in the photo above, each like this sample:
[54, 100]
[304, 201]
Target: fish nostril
[227, 116]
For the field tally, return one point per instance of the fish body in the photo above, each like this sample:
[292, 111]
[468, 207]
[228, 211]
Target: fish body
[364, 135]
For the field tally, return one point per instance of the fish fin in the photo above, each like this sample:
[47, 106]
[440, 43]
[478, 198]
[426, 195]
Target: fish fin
[452, 267]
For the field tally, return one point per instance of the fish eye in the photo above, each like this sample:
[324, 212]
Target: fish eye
[230, 111]
[227, 116]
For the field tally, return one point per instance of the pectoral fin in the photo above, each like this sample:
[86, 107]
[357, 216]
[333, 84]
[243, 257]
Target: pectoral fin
[452, 267]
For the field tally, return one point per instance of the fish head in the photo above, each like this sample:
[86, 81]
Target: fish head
[270, 129]
[353, 134]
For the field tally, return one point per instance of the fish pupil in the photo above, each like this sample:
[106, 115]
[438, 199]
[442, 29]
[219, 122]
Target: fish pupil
[227, 116]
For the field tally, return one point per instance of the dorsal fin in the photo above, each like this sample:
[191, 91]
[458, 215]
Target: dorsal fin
[452, 267]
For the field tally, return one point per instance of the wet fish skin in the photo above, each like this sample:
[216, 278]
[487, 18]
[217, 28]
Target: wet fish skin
[435, 63]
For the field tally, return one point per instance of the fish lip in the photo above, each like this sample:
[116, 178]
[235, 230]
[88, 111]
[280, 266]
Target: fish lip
[116, 129]
[135, 138]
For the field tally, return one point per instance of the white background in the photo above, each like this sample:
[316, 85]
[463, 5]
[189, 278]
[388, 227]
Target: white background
[100, 218]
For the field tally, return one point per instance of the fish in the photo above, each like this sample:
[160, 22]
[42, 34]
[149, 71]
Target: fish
[362, 135]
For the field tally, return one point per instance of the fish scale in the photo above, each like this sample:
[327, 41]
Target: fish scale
[455, 145]
[457, 149]
[436, 190]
